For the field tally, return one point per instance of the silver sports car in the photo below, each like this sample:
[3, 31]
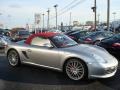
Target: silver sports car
[59, 52]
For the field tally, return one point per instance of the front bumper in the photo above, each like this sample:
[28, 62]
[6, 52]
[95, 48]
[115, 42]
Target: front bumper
[96, 70]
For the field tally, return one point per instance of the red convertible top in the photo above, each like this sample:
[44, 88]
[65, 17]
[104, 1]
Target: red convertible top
[43, 34]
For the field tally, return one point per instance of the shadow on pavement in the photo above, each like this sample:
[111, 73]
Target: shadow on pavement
[113, 82]
[1, 51]
[35, 75]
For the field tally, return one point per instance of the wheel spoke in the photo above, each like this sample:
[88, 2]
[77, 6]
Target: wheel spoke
[69, 65]
[75, 70]
[76, 64]
[13, 58]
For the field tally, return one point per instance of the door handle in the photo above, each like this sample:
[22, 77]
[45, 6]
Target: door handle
[29, 50]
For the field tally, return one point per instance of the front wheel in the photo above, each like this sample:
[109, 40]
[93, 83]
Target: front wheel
[13, 58]
[75, 69]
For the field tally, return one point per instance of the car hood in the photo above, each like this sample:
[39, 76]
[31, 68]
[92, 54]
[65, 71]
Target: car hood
[90, 50]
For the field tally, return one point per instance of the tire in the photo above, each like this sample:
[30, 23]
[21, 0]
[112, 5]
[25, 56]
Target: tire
[75, 69]
[13, 58]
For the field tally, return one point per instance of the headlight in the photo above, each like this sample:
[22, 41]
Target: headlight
[99, 59]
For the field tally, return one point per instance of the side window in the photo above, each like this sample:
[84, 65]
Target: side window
[39, 41]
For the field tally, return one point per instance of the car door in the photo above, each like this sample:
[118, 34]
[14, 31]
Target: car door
[42, 54]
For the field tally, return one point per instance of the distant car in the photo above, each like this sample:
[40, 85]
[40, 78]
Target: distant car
[59, 52]
[95, 37]
[112, 45]
[21, 35]
[75, 35]
[4, 41]
[55, 30]
[71, 31]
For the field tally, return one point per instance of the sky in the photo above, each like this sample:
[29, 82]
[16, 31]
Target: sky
[16, 13]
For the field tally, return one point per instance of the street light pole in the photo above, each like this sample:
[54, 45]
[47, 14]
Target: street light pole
[108, 14]
[70, 22]
[98, 18]
[48, 26]
[94, 8]
[114, 17]
[56, 13]
[43, 20]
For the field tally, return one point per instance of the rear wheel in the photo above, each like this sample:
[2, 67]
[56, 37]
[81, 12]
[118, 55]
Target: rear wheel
[13, 58]
[75, 69]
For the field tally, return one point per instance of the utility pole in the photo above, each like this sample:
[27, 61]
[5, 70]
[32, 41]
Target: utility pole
[43, 20]
[95, 14]
[70, 22]
[94, 8]
[48, 26]
[56, 14]
[108, 14]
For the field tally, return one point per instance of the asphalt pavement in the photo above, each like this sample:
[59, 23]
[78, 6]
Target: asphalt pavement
[28, 77]
[1, 51]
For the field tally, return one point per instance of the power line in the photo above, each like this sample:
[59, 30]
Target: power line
[68, 5]
[71, 7]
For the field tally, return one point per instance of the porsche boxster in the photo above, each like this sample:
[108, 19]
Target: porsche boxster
[59, 52]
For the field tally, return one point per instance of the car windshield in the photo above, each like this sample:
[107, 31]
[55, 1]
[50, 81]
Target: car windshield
[62, 41]
[115, 37]
[84, 33]
[24, 33]
[94, 34]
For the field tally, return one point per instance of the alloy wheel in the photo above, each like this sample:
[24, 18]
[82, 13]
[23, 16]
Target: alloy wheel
[75, 69]
[13, 58]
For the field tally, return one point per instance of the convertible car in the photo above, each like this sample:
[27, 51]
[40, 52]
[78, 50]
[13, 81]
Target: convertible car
[59, 52]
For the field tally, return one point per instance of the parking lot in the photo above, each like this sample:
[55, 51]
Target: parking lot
[28, 77]
[51, 45]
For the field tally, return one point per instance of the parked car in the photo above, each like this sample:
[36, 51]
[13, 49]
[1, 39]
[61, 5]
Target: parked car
[4, 40]
[75, 35]
[112, 45]
[61, 53]
[55, 30]
[95, 37]
[21, 35]
[71, 31]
